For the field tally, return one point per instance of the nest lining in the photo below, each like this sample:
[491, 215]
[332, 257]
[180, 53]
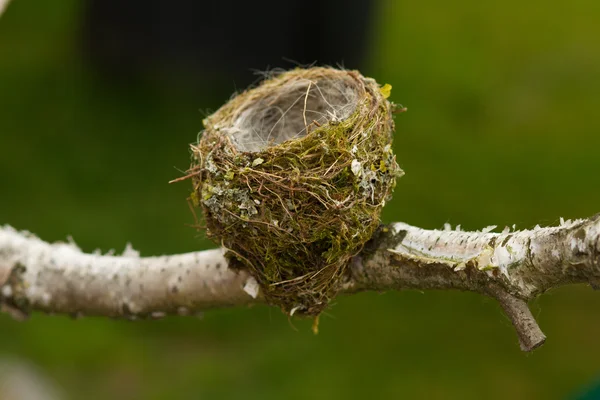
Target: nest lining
[292, 112]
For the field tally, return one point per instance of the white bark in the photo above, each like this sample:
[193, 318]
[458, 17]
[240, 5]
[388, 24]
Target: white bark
[59, 278]
[512, 267]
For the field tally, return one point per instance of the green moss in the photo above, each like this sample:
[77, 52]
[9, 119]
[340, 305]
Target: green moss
[295, 213]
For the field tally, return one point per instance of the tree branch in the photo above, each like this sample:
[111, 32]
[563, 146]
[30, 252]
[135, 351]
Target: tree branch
[512, 267]
[59, 278]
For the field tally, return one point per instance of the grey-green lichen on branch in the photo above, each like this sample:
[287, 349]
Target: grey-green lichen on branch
[512, 267]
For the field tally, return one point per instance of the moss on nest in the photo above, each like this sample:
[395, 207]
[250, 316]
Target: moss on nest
[292, 176]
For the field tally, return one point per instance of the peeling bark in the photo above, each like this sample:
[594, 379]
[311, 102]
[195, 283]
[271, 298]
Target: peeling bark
[512, 267]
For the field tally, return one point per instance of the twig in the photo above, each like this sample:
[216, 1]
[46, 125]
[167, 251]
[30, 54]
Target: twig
[529, 333]
[304, 111]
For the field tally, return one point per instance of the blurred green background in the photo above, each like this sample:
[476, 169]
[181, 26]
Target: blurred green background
[502, 127]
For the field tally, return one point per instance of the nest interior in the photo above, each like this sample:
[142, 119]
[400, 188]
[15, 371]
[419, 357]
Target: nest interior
[292, 176]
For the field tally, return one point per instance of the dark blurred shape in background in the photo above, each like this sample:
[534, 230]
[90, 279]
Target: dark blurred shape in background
[222, 39]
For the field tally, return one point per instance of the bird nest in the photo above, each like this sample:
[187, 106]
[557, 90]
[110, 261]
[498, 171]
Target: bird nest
[292, 176]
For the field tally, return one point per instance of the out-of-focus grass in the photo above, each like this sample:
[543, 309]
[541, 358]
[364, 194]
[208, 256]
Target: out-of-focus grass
[501, 129]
